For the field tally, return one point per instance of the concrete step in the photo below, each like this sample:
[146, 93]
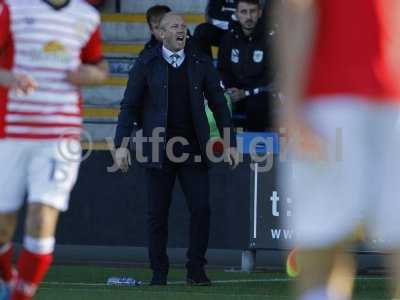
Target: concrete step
[124, 50]
[120, 65]
[116, 81]
[191, 18]
[99, 122]
[121, 57]
[109, 95]
[133, 27]
[111, 92]
[98, 131]
[192, 6]
[99, 145]
[116, 49]
[100, 113]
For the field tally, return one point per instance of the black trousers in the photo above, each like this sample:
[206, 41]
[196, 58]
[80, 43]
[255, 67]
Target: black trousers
[195, 185]
[207, 35]
[258, 110]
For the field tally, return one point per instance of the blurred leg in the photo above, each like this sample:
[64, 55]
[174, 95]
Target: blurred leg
[13, 182]
[8, 223]
[341, 280]
[316, 266]
[326, 274]
[37, 254]
[329, 197]
[52, 172]
[394, 264]
[41, 221]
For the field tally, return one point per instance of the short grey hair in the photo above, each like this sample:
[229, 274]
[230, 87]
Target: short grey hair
[164, 19]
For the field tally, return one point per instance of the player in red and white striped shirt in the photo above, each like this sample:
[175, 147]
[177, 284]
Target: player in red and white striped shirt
[48, 49]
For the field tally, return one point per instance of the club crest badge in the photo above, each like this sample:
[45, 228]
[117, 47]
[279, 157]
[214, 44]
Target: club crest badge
[258, 56]
[235, 55]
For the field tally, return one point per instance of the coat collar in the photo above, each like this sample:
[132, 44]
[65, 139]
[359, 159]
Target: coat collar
[156, 53]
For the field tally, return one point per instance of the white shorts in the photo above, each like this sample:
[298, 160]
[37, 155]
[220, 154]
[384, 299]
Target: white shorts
[44, 171]
[359, 184]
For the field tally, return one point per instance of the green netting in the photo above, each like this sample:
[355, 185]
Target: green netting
[214, 133]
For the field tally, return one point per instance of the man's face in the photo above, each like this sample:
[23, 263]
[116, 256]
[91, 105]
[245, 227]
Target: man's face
[248, 15]
[174, 33]
[155, 29]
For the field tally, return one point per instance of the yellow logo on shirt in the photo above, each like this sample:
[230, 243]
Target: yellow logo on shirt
[52, 52]
[53, 47]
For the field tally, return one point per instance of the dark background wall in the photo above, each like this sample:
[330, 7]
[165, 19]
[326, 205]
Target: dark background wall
[106, 220]
[110, 208]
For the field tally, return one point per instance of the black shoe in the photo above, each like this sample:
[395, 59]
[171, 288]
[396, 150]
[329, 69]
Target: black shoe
[159, 279]
[198, 277]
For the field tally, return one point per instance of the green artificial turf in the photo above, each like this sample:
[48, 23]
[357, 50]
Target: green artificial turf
[89, 283]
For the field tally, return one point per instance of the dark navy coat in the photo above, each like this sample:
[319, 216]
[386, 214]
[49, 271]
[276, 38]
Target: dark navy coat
[145, 103]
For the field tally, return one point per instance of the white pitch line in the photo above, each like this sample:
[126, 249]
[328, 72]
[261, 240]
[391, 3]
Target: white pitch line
[171, 282]
[239, 281]
[213, 281]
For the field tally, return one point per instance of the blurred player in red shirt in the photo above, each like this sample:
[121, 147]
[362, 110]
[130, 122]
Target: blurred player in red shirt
[340, 64]
[49, 48]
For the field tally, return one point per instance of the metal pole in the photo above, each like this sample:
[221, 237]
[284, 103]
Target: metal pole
[249, 260]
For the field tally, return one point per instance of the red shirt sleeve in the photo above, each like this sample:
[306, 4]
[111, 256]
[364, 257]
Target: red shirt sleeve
[92, 52]
[5, 32]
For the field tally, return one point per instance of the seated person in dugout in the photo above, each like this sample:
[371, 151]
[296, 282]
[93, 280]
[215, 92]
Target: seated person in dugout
[245, 64]
[220, 15]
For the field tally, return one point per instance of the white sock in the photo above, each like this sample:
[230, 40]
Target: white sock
[319, 293]
[39, 246]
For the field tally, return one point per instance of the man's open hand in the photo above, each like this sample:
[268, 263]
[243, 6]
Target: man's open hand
[123, 159]
[232, 157]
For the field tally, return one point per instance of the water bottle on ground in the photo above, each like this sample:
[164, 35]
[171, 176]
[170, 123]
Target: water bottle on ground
[124, 281]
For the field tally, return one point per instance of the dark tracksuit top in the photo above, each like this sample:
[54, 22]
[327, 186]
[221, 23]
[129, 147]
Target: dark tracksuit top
[245, 62]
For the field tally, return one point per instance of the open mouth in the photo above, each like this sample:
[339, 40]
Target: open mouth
[180, 38]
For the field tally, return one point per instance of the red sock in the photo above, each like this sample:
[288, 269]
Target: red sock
[31, 270]
[6, 268]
